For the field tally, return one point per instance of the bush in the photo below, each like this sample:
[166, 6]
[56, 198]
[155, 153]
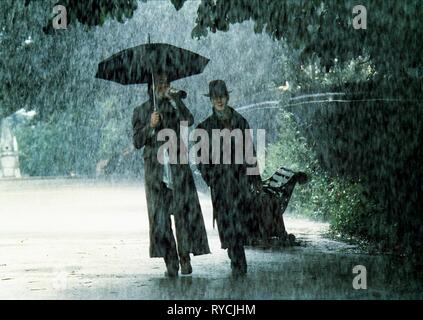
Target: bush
[345, 204]
[65, 144]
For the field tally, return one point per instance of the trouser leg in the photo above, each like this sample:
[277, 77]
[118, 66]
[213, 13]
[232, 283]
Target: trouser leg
[236, 253]
[172, 262]
[182, 238]
[171, 254]
[185, 260]
[280, 229]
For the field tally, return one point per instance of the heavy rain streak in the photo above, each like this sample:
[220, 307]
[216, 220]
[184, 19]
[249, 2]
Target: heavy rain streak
[211, 149]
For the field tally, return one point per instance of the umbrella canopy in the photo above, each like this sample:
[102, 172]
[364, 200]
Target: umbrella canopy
[136, 65]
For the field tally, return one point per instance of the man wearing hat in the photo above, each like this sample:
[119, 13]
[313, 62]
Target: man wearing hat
[230, 186]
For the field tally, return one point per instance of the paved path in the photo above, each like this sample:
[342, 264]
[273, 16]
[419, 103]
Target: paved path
[73, 239]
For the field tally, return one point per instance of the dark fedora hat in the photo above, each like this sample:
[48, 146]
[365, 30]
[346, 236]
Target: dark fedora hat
[217, 88]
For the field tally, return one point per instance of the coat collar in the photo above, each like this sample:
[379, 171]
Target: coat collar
[217, 117]
[163, 105]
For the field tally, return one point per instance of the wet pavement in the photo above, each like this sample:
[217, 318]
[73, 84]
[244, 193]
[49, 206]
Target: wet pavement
[88, 239]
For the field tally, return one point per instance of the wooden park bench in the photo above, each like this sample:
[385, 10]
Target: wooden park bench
[270, 203]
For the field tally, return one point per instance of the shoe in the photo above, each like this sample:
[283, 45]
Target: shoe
[238, 261]
[171, 273]
[239, 272]
[239, 268]
[172, 267]
[172, 264]
[186, 267]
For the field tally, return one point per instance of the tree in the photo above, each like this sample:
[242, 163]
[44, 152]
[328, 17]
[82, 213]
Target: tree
[94, 12]
[34, 69]
[324, 29]
[54, 75]
[317, 28]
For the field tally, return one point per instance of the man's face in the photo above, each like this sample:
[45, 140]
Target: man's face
[161, 84]
[219, 102]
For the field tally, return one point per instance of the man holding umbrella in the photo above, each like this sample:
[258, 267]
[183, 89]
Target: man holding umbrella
[169, 186]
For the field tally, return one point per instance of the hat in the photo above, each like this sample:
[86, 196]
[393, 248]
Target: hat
[217, 88]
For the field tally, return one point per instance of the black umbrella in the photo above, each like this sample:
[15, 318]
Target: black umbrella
[137, 64]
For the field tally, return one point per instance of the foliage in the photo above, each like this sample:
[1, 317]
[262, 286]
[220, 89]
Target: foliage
[114, 128]
[94, 12]
[55, 77]
[325, 197]
[324, 29]
[353, 212]
[35, 69]
[72, 143]
[64, 145]
[364, 181]
[316, 28]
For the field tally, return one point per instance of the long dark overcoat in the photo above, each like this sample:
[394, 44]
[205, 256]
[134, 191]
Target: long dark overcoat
[190, 230]
[230, 186]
